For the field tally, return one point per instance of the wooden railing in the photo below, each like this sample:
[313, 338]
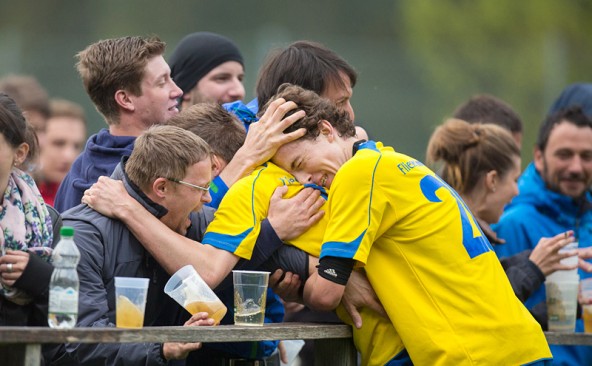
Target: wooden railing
[333, 342]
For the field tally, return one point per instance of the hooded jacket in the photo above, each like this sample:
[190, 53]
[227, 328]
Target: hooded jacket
[539, 212]
[102, 153]
[108, 249]
[575, 94]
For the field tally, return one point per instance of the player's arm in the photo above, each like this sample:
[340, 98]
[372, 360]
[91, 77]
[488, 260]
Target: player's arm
[324, 289]
[171, 249]
[263, 139]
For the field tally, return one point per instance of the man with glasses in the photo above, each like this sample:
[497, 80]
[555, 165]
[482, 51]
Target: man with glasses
[168, 173]
[211, 122]
[199, 188]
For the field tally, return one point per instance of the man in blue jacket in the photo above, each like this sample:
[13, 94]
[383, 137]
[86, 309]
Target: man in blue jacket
[554, 198]
[130, 84]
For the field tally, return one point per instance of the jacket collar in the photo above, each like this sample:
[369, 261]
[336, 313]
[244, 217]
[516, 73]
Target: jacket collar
[135, 191]
[533, 191]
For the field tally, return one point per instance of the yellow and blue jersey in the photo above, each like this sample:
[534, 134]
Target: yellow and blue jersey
[237, 222]
[235, 228]
[432, 268]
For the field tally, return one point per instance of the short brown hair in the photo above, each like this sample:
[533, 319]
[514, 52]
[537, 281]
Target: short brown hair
[485, 108]
[573, 114]
[29, 95]
[115, 64]
[468, 151]
[164, 152]
[307, 64]
[26, 92]
[65, 108]
[218, 127]
[317, 109]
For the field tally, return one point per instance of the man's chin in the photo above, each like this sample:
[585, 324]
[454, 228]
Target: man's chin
[573, 190]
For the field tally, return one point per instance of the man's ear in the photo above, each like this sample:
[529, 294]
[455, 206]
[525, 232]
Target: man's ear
[160, 187]
[539, 160]
[217, 165]
[123, 98]
[326, 129]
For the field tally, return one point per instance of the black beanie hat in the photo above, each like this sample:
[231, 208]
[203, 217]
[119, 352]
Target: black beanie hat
[197, 54]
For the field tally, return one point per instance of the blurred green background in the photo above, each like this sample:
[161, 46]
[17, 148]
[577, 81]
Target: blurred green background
[417, 60]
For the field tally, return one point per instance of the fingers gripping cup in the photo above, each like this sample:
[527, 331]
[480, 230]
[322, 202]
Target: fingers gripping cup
[250, 295]
[188, 289]
[130, 298]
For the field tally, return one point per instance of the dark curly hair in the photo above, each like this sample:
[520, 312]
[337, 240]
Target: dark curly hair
[317, 109]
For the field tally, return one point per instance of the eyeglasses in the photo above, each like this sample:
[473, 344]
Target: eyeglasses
[204, 189]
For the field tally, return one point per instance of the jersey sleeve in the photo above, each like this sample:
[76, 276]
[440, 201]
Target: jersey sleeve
[356, 207]
[237, 222]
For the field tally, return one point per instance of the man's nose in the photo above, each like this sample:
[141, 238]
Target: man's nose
[575, 164]
[350, 110]
[206, 197]
[176, 92]
[237, 90]
[71, 153]
[303, 178]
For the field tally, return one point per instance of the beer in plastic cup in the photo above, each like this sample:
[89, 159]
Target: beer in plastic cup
[188, 289]
[130, 301]
[586, 293]
[250, 295]
[562, 304]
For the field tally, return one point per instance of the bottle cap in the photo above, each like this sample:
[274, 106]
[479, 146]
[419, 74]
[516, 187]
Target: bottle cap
[67, 231]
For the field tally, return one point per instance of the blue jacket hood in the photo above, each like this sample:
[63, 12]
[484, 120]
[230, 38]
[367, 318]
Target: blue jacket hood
[575, 94]
[246, 113]
[102, 153]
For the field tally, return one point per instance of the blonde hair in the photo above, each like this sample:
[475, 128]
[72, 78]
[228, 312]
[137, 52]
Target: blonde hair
[164, 152]
[468, 151]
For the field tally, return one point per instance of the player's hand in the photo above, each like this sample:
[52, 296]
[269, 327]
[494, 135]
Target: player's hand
[267, 135]
[290, 217]
[107, 196]
[358, 294]
[286, 286]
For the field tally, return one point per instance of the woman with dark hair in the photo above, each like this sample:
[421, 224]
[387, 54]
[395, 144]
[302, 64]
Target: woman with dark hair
[27, 231]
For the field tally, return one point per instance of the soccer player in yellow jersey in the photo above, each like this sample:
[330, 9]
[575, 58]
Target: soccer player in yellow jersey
[435, 273]
[237, 224]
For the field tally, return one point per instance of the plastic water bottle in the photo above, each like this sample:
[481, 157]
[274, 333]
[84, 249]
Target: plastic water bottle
[64, 284]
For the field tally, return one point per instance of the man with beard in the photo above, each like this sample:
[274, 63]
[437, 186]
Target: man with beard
[554, 198]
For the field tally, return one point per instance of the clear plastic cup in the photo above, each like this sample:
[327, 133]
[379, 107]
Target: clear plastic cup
[586, 294]
[188, 289]
[569, 275]
[130, 301]
[587, 316]
[250, 295]
[573, 260]
[562, 304]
